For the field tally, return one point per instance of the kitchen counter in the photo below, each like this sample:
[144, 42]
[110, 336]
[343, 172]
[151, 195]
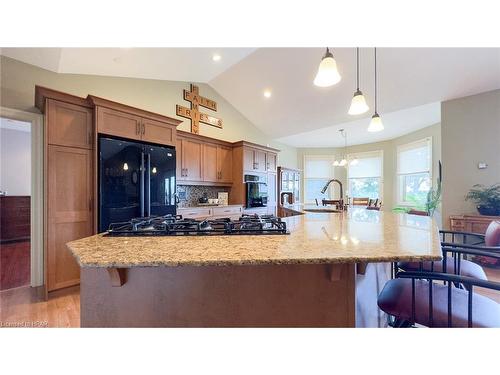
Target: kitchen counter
[357, 235]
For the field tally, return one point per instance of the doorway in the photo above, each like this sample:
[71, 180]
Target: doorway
[21, 199]
[15, 203]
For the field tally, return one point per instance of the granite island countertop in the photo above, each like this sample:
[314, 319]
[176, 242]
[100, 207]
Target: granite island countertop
[357, 235]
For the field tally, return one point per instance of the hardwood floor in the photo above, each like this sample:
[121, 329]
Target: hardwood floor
[14, 264]
[25, 307]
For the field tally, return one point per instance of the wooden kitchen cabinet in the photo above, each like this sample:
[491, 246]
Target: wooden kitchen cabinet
[69, 210]
[158, 132]
[191, 155]
[118, 123]
[71, 125]
[131, 123]
[225, 164]
[271, 193]
[210, 165]
[257, 160]
[271, 161]
[260, 158]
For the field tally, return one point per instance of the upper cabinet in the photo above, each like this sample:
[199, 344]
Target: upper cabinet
[70, 125]
[118, 123]
[190, 154]
[130, 126]
[202, 160]
[258, 160]
[132, 123]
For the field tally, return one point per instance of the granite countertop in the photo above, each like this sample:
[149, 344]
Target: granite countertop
[357, 235]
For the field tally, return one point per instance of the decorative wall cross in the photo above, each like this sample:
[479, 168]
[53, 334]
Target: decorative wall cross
[194, 114]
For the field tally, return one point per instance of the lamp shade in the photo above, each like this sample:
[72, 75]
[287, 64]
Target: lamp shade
[328, 74]
[343, 162]
[354, 161]
[358, 104]
[375, 124]
[335, 163]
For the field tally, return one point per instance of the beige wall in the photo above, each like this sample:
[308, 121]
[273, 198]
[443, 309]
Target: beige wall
[389, 149]
[471, 134]
[17, 81]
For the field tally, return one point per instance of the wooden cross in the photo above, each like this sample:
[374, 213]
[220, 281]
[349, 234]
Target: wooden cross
[194, 114]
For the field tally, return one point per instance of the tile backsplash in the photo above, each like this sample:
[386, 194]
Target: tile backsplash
[188, 194]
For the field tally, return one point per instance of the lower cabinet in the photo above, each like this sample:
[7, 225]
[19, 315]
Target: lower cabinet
[215, 212]
[69, 211]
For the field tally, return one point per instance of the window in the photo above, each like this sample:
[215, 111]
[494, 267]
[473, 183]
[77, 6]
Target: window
[318, 170]
[414, 172]
[365, 176]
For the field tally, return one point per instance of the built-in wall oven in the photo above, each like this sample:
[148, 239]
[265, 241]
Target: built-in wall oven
[256, 190]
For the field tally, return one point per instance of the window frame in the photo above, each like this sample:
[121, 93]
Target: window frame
[367, 154]
[330, 159]
[399, 186]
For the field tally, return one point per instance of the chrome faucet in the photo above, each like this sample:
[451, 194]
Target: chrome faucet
[328, 184]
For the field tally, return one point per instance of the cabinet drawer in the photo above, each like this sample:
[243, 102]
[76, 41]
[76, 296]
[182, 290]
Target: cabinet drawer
[227, 210]
[194, 213]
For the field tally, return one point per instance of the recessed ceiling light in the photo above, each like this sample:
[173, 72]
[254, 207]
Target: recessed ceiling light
[216, 57]
[267, 93]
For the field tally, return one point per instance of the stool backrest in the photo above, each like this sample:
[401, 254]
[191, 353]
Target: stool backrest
[492, 235]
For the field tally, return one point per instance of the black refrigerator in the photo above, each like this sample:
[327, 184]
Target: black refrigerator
[135, 180]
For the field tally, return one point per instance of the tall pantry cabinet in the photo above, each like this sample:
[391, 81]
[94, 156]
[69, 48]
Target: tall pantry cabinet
[68, 182]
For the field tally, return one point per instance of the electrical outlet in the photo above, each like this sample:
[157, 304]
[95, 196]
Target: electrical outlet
[182, 195]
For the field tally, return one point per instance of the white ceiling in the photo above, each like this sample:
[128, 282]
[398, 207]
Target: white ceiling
[171, 64]
[412, 82]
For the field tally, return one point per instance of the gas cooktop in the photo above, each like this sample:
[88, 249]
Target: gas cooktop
[175, 225]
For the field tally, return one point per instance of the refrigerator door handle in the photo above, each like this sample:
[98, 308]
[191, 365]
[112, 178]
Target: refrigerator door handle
[148, 185]
[142, 185]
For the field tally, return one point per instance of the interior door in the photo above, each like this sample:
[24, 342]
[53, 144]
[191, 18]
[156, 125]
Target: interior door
[225, 163]
[161, 173]
[69, 211]
[210, 165]
[119, 181]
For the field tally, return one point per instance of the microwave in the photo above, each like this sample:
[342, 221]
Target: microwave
[256, 190]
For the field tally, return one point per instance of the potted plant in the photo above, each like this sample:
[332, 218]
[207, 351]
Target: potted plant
[487, 199]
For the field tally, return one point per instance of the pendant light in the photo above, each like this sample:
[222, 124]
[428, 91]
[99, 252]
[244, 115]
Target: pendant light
[343, 161]
[376, 123]
[328, 74]
[358, 103]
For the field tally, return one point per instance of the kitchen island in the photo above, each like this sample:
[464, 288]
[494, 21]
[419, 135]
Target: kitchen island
[305, 279]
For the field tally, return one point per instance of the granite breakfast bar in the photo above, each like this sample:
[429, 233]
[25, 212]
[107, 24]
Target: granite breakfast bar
[305, 279]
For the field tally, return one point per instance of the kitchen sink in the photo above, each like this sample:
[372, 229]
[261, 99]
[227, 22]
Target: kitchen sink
[325, 210]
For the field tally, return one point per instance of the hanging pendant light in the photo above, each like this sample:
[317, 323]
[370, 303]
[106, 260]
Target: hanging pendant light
[343, 161]
[354, 161]
[358, 103]
[376, 122]
[328, 74]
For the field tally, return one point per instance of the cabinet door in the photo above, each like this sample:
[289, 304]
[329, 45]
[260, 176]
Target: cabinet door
[210, 167]
[118, 123]
[178, 160]
[192, 152]
[260, 161]
[248, 159]
[69, 211]
[271, 162]
[225, 164]
[158, 132]
[271, 190]
[69, 125]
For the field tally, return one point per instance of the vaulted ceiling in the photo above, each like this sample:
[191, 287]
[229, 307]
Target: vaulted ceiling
[412, 83]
